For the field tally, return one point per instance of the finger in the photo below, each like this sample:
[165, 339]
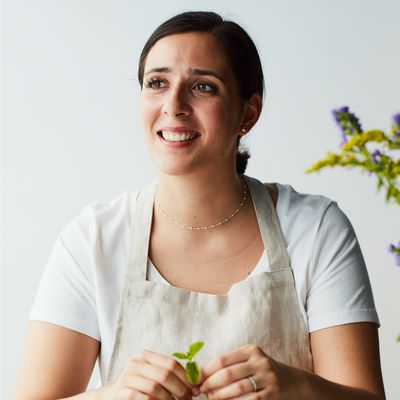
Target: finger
[238, 388]
[130, 394]
[176, 370]
[148, 387]
[164, 377]
[238, 355]
[226, 376]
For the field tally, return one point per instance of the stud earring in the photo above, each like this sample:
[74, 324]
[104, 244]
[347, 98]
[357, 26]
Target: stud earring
[244, 129]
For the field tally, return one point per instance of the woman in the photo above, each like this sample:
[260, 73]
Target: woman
[271, 280]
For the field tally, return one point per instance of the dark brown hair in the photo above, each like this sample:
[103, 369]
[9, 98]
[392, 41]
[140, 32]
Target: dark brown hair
[239, 48]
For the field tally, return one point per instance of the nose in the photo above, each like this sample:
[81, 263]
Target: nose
[177, 103]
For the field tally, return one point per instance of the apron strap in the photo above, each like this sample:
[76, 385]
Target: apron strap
[271, 232]
[140, 234]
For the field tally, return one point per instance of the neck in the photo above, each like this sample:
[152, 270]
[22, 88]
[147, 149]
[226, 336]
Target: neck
[199, 200]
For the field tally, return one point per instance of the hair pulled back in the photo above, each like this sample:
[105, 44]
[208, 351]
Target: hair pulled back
[239, 48]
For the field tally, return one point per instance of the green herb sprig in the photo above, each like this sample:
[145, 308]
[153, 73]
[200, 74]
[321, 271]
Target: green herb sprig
[192, 369]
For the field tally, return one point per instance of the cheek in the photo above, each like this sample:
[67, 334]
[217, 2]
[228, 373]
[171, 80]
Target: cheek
[218, 112]
[147, 112]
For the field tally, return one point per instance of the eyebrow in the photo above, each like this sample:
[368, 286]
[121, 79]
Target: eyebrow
[206, 72]
[163, 69]
[196, 71]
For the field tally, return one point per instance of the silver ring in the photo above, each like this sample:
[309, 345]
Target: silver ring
[253, 382]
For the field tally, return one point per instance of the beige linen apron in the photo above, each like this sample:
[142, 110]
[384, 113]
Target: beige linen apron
[262, 309]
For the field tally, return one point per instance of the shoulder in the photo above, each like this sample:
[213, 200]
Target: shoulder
[107, 212]
[100, 220]
[289, 196]
[301, 208]
[312, 218]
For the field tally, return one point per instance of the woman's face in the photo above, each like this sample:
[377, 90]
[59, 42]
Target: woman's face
[190, 105]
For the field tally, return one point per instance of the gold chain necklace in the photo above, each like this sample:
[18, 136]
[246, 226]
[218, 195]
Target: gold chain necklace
[208, 226]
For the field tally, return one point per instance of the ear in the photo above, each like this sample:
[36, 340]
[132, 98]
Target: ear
[251, 113]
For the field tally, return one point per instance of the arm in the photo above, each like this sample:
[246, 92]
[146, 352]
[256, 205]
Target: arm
[346, 360]
[346, 363]
[57, 362]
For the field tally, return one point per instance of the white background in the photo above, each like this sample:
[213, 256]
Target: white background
[71, 132]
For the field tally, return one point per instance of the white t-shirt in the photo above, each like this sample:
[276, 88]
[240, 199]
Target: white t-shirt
[82, 283]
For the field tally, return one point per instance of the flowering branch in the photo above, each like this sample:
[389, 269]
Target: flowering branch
[372, 151]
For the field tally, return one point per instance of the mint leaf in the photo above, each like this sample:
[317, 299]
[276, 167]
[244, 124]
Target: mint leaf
[194, 348]
[192, 372]
[180, 355]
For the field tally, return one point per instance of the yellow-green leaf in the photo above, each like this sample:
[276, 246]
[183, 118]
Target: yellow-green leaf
[192, 372]
[194, 348]
[180, 355]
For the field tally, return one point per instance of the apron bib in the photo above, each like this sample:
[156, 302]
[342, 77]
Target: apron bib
[262, 309]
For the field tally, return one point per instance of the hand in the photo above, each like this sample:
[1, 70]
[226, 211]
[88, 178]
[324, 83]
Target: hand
[151, 375]
[226, 376]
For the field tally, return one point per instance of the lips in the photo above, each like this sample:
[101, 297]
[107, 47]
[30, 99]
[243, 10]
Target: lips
[177, 134]
[177, 137]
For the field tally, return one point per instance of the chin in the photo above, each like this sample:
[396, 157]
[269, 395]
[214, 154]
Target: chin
[174, 169]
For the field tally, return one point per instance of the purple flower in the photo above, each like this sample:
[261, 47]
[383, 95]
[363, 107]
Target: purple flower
[395, 250]
[396, 127]
[342, 110]
[348, 123]
[344, 138]
[375, 156]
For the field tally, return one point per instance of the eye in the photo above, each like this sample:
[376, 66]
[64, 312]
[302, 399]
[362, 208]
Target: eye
[204, 87]
[155, 84]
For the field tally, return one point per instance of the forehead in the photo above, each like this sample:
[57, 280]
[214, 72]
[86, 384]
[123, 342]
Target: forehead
[189, 50]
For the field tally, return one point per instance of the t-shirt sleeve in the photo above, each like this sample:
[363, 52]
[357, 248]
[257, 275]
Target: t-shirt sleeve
[339, 287]
[66, 294]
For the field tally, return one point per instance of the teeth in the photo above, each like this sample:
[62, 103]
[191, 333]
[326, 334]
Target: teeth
[177, 137]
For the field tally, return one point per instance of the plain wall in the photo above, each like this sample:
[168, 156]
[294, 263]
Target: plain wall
[70, 130]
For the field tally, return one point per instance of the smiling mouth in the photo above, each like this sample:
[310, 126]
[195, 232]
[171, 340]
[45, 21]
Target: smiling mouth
[178, 137]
